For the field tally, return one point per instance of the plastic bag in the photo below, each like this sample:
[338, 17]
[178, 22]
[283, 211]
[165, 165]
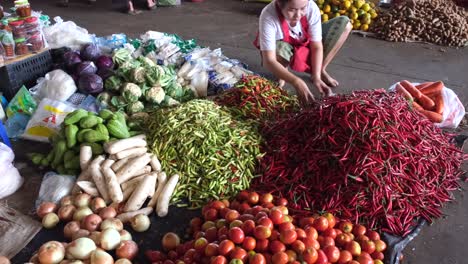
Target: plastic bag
[168, 2]
[109, 43]
[22, 103]
[11, 180]
[56, 85]
[54, 187]
[47, 120]
[66, 34]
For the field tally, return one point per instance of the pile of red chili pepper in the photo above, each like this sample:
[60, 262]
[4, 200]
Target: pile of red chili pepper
[257, 97]
[367, 157]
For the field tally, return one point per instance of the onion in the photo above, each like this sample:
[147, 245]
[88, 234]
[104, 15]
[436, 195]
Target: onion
[45, 208]
[91, 222]
[127, 249]
[97, 204]
[96, 237]
[50, 220]
[70, 229]
[140, 222]
[81, 213]
[34, 259]
[4, 260]
[65, 213]
[51, 252]
[99, 256]
[170, 241]
[113, 223]
[107, 212]
[125, 235]
[67, 200]
[110, 239]
[82, 200]
[123, 261]
[81, 248]
[80, 233]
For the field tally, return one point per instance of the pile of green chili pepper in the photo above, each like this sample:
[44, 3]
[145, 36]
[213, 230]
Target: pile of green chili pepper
[257, 97]
[214, 154]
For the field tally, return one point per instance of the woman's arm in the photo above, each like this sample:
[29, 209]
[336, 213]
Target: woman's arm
[316, 59]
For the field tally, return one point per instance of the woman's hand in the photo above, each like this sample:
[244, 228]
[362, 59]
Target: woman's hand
[323, 88]
[303, 91]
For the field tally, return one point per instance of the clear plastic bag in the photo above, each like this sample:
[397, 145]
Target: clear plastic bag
[11, 179]
[22, 103]
[54, 187]
[66, 34]
[56, 85]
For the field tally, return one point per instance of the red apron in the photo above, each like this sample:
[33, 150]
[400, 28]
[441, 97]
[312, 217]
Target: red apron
[300, 60]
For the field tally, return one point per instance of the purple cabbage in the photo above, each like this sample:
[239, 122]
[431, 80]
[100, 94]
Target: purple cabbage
[90, 83]
[105, 73]
[90, 52]
[104, 62]
[71, 59]
[86, 67]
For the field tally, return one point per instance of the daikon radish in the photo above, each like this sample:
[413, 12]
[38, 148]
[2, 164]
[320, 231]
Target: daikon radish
[85, 175]
[113, 157]
[126, 217]
[154, 179]
[162, 178]
[118, 164]
[86, 155]
[155, 164]
[88, 187]
[162, 207]
[113, 186]
[95, 170]
[138, 196]
[133, 182]
[131, 153]
[107, 163]
[128, 192]
[134, 168]
[114, 147]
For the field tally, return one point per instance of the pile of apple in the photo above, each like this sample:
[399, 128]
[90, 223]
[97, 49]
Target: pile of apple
[92, 229]
[258, 229]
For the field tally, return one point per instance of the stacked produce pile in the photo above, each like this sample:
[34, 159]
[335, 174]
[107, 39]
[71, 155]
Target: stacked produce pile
[437, 21]
[361, 13]
[253, 229]
[365, 156]
[256, 97]
[214, 154]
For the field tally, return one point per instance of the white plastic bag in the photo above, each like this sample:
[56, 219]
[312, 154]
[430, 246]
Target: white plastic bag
[454, 111]
[54, 187]
[10, 179]
[56, 85]
[66, 34]
[46, 120]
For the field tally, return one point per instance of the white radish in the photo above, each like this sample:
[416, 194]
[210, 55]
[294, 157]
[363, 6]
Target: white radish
[85, 175]
[138, 196]
[125, 217]
[133, 182]
[113, 186]
[86, 155]
[118, 164]
[88, 187]
[155, 164]
[162, 207]
[119, 145]
[95, 170]
[131, 153]
[128, 171]
[162, 178]
[154, 179]
[128, 192]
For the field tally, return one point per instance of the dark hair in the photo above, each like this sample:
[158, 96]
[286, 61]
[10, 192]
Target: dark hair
[282, 3]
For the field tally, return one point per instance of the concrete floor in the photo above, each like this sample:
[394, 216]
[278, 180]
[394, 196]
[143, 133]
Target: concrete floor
[363, 63]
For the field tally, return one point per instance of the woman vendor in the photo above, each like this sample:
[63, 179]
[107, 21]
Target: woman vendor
[291, 34]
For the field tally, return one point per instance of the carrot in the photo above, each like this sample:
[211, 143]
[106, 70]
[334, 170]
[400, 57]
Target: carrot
[426, 102]
[439, 104]
[417, 107]
[422, 85]
[433, 88]
[411, 89]
[399, 89]
[433, 116]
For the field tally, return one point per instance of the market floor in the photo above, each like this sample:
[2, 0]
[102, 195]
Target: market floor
[363, 63]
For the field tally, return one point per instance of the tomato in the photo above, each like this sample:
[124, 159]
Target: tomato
[276, 215]
[279, 258]
[377, 255]
[306, 221]
[246, 217]
[292, 256]
[196, 222]
[248, 227]
[286, 226]
[362, 259]
[249, 243]
[266, 198]
[172, 255]
[168, 262]
[211, 250]
[342, 240]
[253, 198]
[311, 243]
[223, 231]
[154, 256]
[211, 214]
[218, 205]
[258, 258]
[262, 245]
[321, 224]
[208, 224]
[361, 238]
[288, 236]
[301, 233]
[368, 246]
[199, 234]
[189, 254]
[211, 234]
[332, 252]
[236, 235]
[338, 231]
[235, 223]
[281, 201]
[232, 215]
[311, 232]
[265, 221]
[359, 230]
[322, 258]
[225, 202]
[372, 235]
[239, 253]
[327, 241]
[298, 246]
[219, 260]
[330, 232]
[226, 247]
[354, 248]
[224, 211]
[365, 254]
[262, 232]
[220, 223]
[380, 246]
[243, 196]
[331, 219]
[345, 257]
[268, 205]
[288, 218]
[283, 209]
[200, 244]
[378, 261]
[276, 246]
[275, 235]
[259, 215]
[244, 207]
[353, 262]
[310, 256]
[236, 261]
[346, 226]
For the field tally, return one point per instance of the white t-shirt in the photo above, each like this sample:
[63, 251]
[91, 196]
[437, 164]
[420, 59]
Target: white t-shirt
[271, 31]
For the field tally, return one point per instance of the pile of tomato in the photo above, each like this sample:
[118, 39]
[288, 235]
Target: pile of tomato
[258, 229]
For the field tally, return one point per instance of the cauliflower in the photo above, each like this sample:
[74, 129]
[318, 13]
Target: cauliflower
[131, 92]
[113, 83]
[135, 107]
[155, 94]
[138, 74]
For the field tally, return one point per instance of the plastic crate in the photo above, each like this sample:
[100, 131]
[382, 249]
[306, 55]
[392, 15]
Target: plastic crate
[24, 72]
